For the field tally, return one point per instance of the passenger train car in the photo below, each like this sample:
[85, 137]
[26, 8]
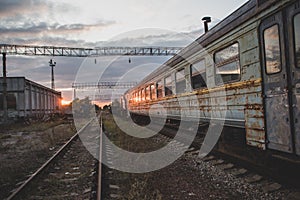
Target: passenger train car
[254, 56]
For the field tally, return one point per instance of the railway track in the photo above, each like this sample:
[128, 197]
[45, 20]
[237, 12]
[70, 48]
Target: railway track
[189, 173]
[72, 172]
[110, 185]
[270, 179]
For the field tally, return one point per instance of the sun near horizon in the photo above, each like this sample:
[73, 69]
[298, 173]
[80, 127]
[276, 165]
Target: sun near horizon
[65, 102]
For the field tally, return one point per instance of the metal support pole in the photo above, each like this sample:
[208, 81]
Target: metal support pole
[52, 78]
[74, 94]
[52, 65]
[5, 112]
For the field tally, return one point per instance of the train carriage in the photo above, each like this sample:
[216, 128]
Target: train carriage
[28, 99]
[254, 56]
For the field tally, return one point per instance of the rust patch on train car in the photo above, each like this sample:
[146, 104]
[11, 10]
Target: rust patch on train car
[244, 107]
[255, 125]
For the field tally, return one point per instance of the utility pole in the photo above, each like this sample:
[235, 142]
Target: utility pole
[74, 94]
[4, 84]
[52, 65]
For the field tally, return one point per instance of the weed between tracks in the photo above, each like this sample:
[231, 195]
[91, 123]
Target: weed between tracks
[34, 126]
[127, 142]
[140, 189]
[132, 186]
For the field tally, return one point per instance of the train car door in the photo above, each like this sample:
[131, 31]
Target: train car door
[276, 89]
[280, 37]
[293, 35]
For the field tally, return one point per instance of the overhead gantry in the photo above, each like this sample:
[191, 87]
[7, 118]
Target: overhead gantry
[33, 50]
[28, 50]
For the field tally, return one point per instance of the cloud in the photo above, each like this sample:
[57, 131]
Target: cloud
[36, 22]
[37, 8]
[151, 37]
[41, 28]
[13, 7]
[61, 35]
[45, 34]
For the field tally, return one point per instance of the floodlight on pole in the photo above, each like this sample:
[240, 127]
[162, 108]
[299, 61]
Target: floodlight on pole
[52, 65]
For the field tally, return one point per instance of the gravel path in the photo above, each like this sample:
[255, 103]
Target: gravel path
[194, 179]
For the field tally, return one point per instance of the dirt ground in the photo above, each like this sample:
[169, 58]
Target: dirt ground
[24, 148]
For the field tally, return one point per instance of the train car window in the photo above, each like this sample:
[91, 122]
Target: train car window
[143, 94]
[153, 91]
[297, 38]
[168, 86]
[133, 98]
[147, 96]
[272, 50]
[180, 82]
[159, 87]
[198, 75]
[227, 64]
[140, 95]
[136, 97]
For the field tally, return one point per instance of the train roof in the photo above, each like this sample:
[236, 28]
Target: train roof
[31, 83]
[238, 17]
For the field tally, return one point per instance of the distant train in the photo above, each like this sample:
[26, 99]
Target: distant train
[254, 56]
[27, 99]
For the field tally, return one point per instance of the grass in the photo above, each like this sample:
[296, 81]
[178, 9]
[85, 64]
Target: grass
[29, 150]
[35, 126]
[141, 190]
[5, 136]
[125, 141]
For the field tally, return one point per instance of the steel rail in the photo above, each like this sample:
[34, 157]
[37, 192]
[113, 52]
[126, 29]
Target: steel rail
[36, 173]
[99, 184]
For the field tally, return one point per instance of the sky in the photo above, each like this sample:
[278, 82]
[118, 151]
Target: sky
[95, 23]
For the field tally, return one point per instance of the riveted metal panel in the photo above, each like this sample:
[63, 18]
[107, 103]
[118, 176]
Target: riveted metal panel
[278, 122]
[296, 110]
[250, 57]
[254, 122]
[249, 41]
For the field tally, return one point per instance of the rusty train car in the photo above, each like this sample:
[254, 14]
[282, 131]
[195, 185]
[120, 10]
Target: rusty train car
[28, 99]
[254, 56]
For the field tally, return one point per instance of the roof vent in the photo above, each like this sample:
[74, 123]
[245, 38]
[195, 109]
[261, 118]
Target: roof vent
[206, 20]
